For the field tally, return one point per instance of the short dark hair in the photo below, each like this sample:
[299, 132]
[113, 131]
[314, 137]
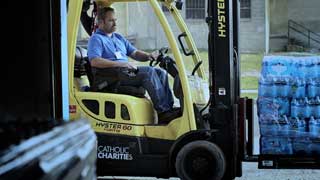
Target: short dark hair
[103, 11]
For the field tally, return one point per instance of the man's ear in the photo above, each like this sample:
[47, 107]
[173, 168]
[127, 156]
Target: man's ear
[100, 21]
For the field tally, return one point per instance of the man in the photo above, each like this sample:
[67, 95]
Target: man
[107, 49]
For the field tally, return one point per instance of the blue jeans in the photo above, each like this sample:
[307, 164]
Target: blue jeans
[155, 81]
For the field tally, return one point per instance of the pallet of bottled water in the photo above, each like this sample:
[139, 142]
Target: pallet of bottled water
[289, 105]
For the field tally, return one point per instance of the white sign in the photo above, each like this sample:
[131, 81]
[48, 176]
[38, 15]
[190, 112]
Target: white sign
[114, 152]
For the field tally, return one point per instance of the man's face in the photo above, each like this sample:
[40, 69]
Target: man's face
[109, 23]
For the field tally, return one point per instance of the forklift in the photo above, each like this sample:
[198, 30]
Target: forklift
[204, 142]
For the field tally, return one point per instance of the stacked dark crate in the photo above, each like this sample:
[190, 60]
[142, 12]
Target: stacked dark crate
[289, 105]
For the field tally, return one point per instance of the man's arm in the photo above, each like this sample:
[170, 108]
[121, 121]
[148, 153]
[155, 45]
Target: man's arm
[141, 56]
[106, 63]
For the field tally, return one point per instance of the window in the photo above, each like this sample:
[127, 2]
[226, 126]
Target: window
[92, 105]
[195, 9]
[110, 110]
[124, 112]
[245, 8]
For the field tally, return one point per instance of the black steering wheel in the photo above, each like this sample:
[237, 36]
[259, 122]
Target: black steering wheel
[162, 52]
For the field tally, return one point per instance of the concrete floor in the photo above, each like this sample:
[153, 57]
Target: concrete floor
[251, 172]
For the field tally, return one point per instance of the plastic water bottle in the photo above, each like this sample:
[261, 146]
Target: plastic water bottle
[314, 127]
[198, 90]
[286, 145]
[294, 124]
[300, 145]
[308, 67]
[308, 108]
[313, 69]
[314, 146]
[294, 67]
[283, 105]
[280, 68]
[294, 108]
[267, 108]
[268, 64]
[308, 63]
[298, 88]
[317, 66]
[302, 128]
[281, 87]
[317, 108]
[270, 127]
[299, 108]
[266, 88]
[313, 87]
[284, 126]
[302, 69]
[276, 145]
[314, 107]
[264, 68]
[298, 127]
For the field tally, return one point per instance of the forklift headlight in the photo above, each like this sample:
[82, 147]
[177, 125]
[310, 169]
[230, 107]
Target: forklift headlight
[179, 4]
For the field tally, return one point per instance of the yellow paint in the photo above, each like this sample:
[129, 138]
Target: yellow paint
[221, 18]
[140, 109]
[73, 24]
[180, 64]
[189, 40]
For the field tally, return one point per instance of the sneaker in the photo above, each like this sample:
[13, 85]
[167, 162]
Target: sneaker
[167, 116]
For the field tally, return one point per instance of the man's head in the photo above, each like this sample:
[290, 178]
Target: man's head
[107, 20]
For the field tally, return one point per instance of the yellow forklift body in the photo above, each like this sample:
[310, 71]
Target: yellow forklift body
[73, 24]
[141, 123]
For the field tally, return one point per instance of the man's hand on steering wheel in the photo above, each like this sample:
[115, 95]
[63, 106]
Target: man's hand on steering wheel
[154, 55]
[157, 56]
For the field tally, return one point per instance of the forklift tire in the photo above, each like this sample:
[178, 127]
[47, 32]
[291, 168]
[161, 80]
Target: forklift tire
[200, 160]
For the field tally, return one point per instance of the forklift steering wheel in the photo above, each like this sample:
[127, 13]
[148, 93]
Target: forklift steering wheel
[162, 52]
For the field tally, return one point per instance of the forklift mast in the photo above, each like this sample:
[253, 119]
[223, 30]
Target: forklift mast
[223, 18]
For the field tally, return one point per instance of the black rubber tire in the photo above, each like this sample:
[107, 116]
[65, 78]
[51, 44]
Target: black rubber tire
[200, 160]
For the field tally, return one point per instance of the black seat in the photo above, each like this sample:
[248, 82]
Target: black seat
[103, 80]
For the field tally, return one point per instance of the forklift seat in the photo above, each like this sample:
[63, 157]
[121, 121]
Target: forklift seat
[109, 84]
